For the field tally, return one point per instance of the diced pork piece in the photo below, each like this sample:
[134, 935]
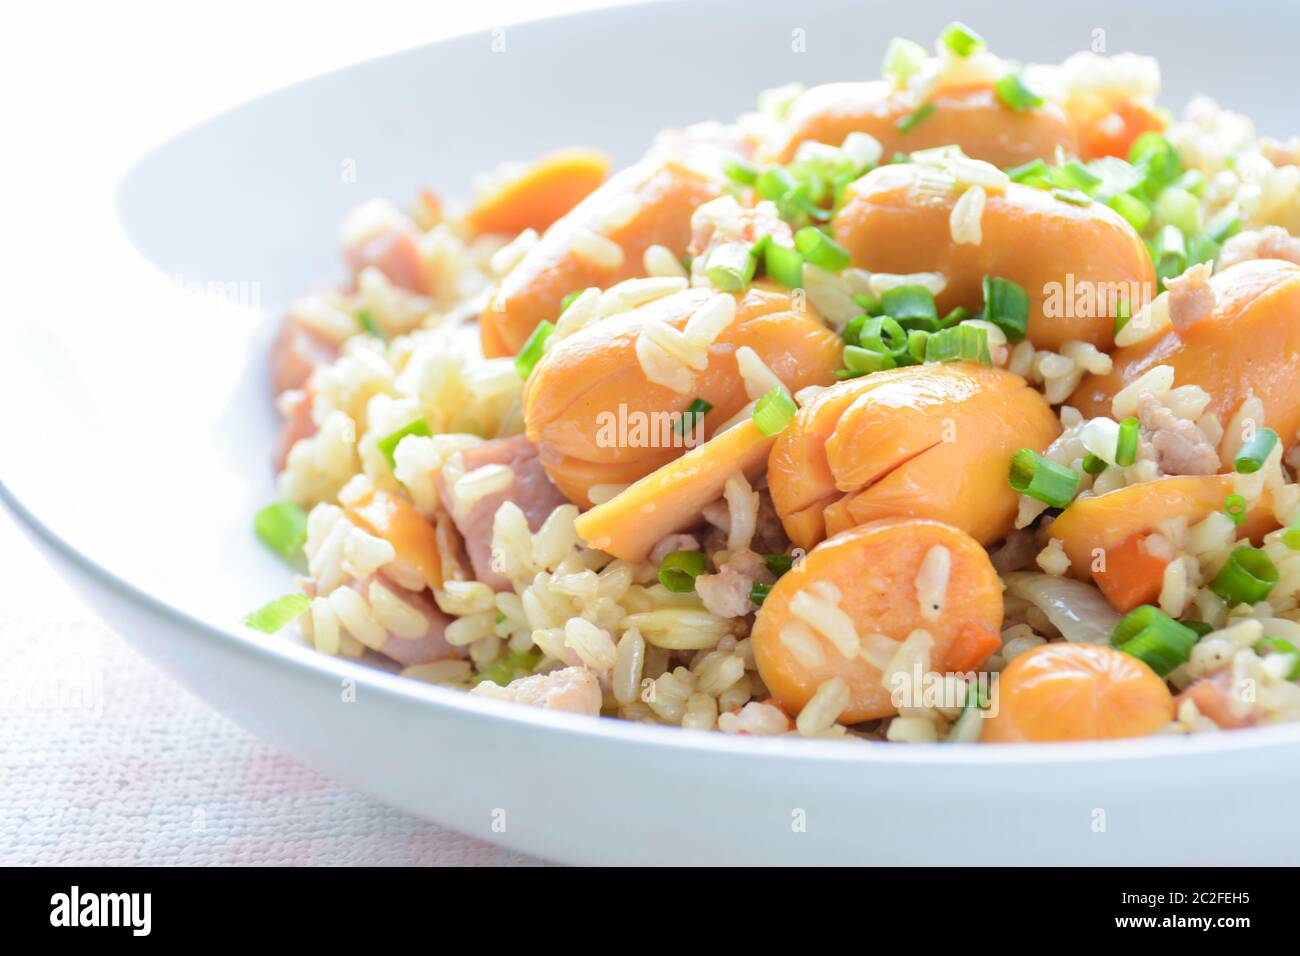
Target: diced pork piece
[1271, 242]
[394, 253]
[296, 353]
[529, 488]
[1191, 299]
[298, 424]
[1213, 698]
[1180, 447]
[573, 689]
[406, 643]
[726, 594]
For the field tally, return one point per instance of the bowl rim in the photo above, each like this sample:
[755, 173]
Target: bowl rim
[277, 651]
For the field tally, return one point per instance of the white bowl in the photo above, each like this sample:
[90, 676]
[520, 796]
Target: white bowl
[140, 429]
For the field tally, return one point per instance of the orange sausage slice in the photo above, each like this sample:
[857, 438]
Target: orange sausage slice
[930, 441]
[661, 195]
[1076, 692]
[413, 538]
[971, 117]
[894, 221]
[541, 194]
[673, 497]
[1250, 343]
[874, 567]
[592, 380]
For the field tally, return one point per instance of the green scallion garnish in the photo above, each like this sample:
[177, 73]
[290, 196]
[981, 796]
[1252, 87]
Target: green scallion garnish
[282, 527]
[1093, 465]
[1126, 445]
[1291, 536]
[678, 570]
[961, 39]
[1276, 645]
[1131, 208]
[1153, 637]
[774, 411]
[1073, 196]
[271, 617]
[778, 564]
[695, 411]
[508, 667]
[370, 326]
[820, 249]
[1255, 452]
[967, 343]
[1006, 305]
[915, 118]
[531, 353]
[1032, 474]
[860, 361]
[731, 267]
[1013, 92]
[1248, 576]
[569, 299]
[910, 304]
[903, 58]
[1234, 506]
[741, 172]
[883, 334]
[774, 182]
[784, 264]
[388, 444]
[1074, 175]
[1033, 173]
[758, 592]
[917, 342]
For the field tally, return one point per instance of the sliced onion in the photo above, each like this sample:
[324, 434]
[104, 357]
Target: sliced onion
[1078, 610]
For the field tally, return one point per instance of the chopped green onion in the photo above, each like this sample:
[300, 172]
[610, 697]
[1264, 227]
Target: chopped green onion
[917, 340]
[1093, 465]
[1039, 477]
[1153, 637]
[1193, 181]
[907, 303]
[1033, 173]
[731, 267]
[1012, 91]
[1255, 452]
[1223, 226]
[1073, 196]
[1291, 537]
[569, 299]
[1123, 312]
[778, 564]
[695, 411]
[882, 334]
[1202, 249]
[955, 317]
[867, 304]
[368, 324]
[1157, 159]
[1178, 207]
[1006, 305]
[282, 527]
[1234, 506]
[1200, 627]
[1131, 208]
[774, 411]
[915, 118]
[1169, 251]
[741, 172]
[678, 570]
[784, 264]
[1075, 175]
[850, 331]
[1248, 576]
[1275, 645]
[821, 250]
[388, 444]
[860, 361]
[271, 617]
[1127, 444]
[959, 343]
[961, 39]
[531, 353]
[774, 182]
[758, 592]
[903, 58]
[507, 667]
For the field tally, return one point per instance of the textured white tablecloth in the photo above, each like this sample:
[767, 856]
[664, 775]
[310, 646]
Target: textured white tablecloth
[105, 760]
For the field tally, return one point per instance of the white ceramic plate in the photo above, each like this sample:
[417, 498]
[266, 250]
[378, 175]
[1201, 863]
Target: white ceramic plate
[139, 427]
